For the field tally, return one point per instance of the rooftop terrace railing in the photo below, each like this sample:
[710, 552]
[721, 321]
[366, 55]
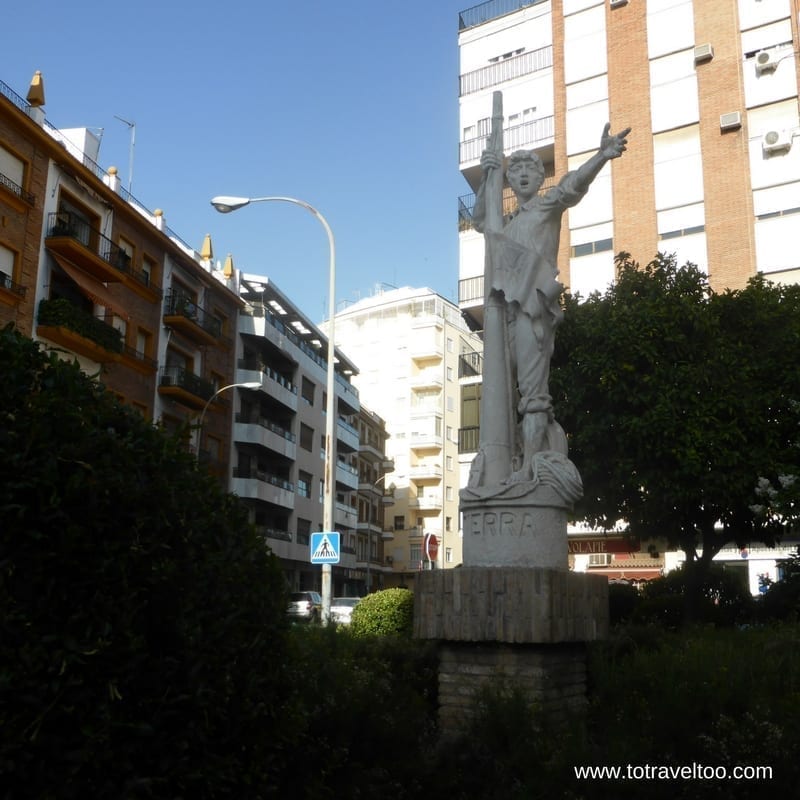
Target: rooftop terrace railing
[484, 12]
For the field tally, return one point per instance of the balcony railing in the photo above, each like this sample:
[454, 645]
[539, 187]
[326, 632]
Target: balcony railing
[17, 190]
[528, 134]
[72, 226]
[9, 285]
[178, 303]
[60, 313]
[506, 70]
[469, 439]
[470, 365]
[470, 289]
[264, 477]
[484, 12]
[250, 419]
[184, 379]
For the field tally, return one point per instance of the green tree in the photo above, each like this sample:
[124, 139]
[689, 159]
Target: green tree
[677, 400]
[141, 619]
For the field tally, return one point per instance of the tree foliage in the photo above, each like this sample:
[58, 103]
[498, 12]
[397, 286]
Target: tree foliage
[677, 400]
[141, 619]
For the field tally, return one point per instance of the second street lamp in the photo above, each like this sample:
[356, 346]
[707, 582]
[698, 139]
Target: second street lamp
[225, 204]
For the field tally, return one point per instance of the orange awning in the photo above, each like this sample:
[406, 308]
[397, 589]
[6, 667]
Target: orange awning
[91, 287]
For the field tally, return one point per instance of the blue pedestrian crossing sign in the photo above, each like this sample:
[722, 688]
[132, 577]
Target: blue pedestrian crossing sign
[325, 547]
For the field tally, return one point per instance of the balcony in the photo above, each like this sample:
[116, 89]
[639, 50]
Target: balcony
[427, 379]
[484, 12]
[277, 386]
[179, 384]
[469, 439]
[67, 325]
[257, 484]
[346, 475]
[346, 436]
[536, 133]
[470, 365]
[425, 440]
[10, 292]
[345, 516]
[181, 313]
[426, 502]
[70, 237]
[426, 472]
[508, 69]
[265, 433]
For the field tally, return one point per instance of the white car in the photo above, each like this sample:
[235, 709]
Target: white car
[342, 609]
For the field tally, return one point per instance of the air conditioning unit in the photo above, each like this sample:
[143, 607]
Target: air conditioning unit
[775, 141]
[766, 61]
[730, 121]
[389, 559]
[600, 559]
[703, 52]
[617, 3]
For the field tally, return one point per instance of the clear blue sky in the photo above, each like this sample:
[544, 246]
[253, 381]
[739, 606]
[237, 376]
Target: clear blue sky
[351, 106]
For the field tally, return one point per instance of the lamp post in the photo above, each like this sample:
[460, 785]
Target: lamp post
[245, 385]
[369, 530]
[225, 204]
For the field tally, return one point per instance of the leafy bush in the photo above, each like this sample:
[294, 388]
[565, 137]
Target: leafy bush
[782, 598]
[622, 602]
[724, 599]
[142, 625]
[389, 612]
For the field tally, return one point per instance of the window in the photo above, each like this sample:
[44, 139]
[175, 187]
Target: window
[11, 168]
[304, 483]
[399, 523]
[450, 373]
[449, 463]
[449, 345]
[144, 343]
[7, 258]
[127, 252]
[448, 555]
[451, 405]
[306, 437]
[148, 270]
[448, 524]
[303, 530]
[448, 493]
[307, 391]
[415, 554]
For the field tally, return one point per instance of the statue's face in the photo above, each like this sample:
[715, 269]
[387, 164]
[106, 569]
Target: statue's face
[525, 178]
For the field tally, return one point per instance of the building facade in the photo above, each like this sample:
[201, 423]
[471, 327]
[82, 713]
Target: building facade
[279, 444]
[408, 344]
[710, 91]
[88, 270]
[712, 172]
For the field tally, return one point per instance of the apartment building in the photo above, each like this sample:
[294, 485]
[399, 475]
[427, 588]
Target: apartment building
[408, 343]
[712, 171]
[279, 439]
[88, 270]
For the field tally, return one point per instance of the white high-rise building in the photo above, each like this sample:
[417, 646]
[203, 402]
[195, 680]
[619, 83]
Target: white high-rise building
[408, 346]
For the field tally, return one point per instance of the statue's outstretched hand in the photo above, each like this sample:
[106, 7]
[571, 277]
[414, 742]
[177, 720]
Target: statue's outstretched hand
[613, 146]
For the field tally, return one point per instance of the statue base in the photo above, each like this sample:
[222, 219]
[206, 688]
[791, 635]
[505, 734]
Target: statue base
[525, 626]
[526, 530]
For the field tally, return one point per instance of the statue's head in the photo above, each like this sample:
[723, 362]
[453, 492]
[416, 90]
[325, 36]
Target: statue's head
[525, 173]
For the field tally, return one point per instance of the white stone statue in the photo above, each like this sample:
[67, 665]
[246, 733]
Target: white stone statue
[521, 443]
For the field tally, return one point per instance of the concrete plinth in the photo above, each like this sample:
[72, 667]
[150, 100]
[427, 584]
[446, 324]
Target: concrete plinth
[526, 625]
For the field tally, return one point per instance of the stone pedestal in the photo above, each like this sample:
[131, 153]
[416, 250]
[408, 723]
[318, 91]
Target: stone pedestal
[525, 625]
[526, 531]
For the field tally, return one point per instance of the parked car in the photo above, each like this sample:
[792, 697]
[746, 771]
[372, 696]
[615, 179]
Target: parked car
[342, 609]
[305, 606]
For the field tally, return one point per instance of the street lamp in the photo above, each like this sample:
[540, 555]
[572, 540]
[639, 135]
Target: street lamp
[245, 385]
[225, 204]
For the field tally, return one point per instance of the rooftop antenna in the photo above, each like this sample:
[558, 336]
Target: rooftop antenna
[132, 128]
